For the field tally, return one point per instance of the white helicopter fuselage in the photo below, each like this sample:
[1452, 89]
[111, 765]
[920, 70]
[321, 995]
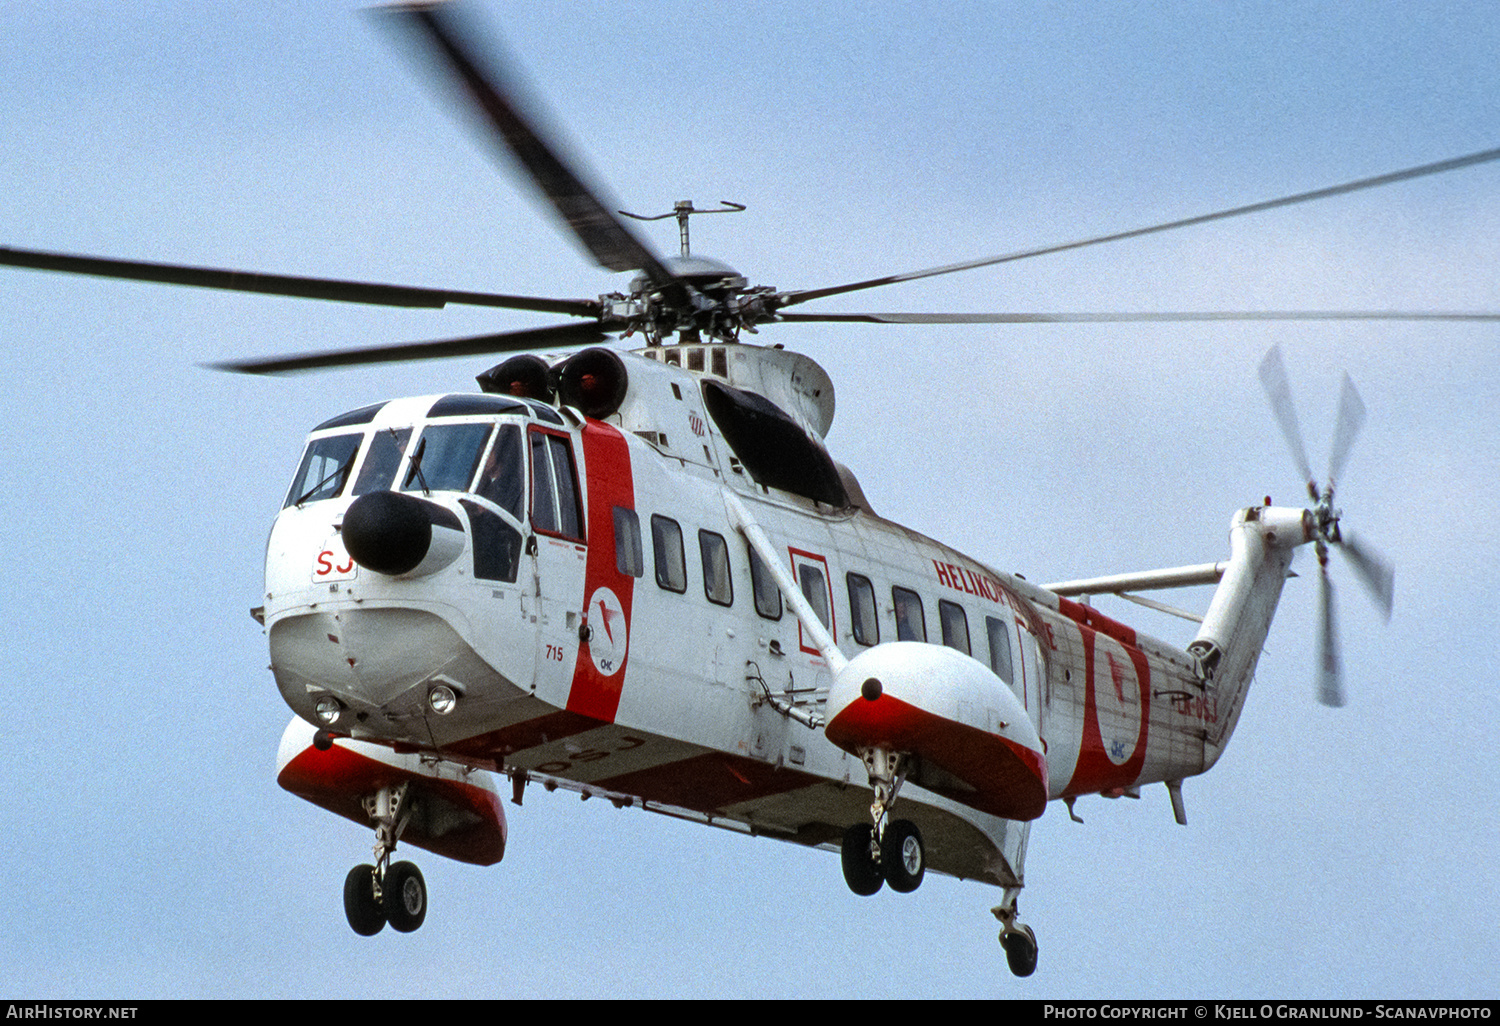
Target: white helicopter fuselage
[587, 614]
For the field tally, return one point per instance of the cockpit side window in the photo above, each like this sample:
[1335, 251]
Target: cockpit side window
[446, 457]
[324, 470]
[386, 449]
[554, 486]
[503, 478]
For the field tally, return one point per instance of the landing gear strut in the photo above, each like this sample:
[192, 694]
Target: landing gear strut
[386, 892]
[1015, 937]
[885, 851]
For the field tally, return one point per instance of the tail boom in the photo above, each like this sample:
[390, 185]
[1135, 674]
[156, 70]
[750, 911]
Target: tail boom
[1262, 542]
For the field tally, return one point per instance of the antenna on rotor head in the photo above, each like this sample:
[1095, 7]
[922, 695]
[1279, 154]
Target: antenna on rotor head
[682, 210]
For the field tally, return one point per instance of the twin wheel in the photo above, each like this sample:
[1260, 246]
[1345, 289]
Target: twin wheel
[894, 857]
[387, 892]
[399, 899]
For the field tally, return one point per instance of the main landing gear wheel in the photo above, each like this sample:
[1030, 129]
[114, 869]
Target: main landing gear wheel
[861, 864]
[361, 907]
[902, 858]
[405, 897]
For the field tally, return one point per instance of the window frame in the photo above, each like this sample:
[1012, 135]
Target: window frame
[764, 587]
[630, 557]
[994, 628]
[897, 592]
[658, 523]
[866, 604]
[551, 441]
[946, 610]
[720, 557]
[324, 486]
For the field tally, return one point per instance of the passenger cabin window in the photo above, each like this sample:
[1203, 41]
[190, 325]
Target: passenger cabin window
[379, 470]
[554, 486]
[324, 470]
[503, 478]
[628, 557]
[666, 546]
[815, 590]
[767, 594]
[715, 552]
[446, 457]
[955, 625]
[862, 610]
[911, 625]
[999, 647]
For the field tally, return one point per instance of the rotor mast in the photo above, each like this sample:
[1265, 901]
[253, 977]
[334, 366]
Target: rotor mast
[682, 210]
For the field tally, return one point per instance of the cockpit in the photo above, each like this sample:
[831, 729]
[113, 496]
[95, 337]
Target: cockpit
[477, 448]
[460, 448]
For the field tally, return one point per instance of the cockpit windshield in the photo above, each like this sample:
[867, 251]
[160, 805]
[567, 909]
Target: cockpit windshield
[324, 470]
[432, 457]
[382, 460]
[446, 457]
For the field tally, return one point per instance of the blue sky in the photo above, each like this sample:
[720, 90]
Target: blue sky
[1332, 853]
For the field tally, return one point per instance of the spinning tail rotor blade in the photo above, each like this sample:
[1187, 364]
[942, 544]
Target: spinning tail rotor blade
[1373, 571]
[1351, 416]
[1279, 390]
[1330, 675]
[1377, 575]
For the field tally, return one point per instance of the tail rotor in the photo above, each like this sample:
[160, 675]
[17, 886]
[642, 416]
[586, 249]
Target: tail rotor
[1373, 571]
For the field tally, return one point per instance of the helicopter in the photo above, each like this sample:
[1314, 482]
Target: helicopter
[955, 574]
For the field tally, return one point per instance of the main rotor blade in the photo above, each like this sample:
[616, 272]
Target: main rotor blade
[1279, 390]
[1346, 429]
[1330, 682]
[1143, 317]
[285, 285]
[606, 238]
[558, 335]
[791, 298]
[1377, 575]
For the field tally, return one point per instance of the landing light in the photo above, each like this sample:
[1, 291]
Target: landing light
[442, 700]
[328, 709]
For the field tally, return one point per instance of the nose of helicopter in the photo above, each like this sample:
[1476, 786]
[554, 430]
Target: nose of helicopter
[396, 534]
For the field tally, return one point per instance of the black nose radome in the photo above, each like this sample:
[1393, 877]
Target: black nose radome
[387, 532]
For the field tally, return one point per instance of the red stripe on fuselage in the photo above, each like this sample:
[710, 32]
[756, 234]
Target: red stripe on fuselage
[1091, 618]
[606, 460]
[1094, 770]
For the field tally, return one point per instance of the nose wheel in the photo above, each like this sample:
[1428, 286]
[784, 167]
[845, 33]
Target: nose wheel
[386, 892]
